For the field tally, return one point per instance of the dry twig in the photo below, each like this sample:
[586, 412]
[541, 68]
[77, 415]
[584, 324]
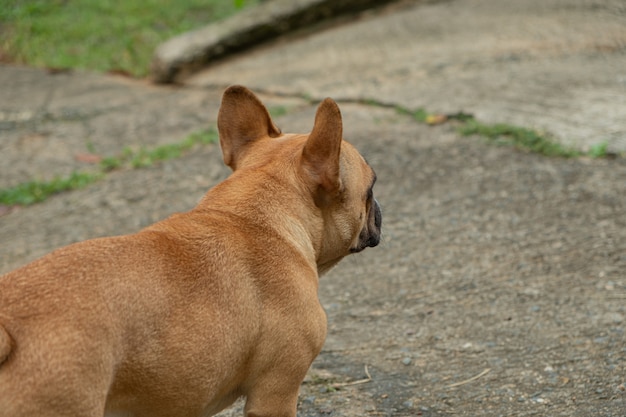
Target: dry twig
[360, 381]
[467, 381]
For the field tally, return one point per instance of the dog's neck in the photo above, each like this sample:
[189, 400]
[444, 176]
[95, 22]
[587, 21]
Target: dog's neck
[288, 220]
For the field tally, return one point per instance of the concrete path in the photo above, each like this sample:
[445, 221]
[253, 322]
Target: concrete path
[554, 65]
[499, 288]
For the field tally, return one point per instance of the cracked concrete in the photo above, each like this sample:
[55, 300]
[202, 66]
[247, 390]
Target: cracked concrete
[499, 286]
[557, 66]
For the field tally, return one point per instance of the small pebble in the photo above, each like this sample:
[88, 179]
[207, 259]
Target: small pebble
[406, 361]
[600, 339]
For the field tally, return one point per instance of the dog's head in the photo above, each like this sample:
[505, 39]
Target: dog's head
[328, 175]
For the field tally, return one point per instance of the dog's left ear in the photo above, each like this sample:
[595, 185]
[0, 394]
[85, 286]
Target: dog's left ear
[320, 156]
[242, 119]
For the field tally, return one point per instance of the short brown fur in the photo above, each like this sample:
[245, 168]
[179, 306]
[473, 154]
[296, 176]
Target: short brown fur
[192, 312]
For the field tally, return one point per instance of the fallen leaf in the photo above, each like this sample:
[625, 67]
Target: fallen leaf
[88, 158]
[436, 119]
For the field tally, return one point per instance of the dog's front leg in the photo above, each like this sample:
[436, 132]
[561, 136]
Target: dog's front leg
[274, 395]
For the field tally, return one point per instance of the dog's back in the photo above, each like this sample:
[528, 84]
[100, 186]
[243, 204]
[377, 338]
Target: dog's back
[54, 348]
[92, 323]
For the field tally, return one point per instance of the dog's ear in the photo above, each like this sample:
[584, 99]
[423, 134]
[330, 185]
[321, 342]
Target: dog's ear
[242, 119]
[320, 155]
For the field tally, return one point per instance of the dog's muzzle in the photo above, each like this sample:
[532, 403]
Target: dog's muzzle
[370, 235]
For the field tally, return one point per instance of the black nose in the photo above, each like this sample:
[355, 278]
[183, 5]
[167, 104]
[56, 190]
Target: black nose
[374, 236]
[378, 215]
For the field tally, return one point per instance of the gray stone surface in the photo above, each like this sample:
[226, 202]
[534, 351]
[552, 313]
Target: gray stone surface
[190, 51]
[501, 272]
[553, 65]
[45, 124]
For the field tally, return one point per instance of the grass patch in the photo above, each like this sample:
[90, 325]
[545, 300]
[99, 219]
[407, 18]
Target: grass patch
[520, 137]
[100, 35]
[277, 111]
[505, 134]
[599, 150]
[144, 157]
[32, 192]
[420, 115]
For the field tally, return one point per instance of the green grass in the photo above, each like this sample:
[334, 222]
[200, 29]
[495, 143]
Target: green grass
[505, 134]
[144, 157]
[420, 115]
[34, 191]
[100, 35]
[277, 111]
[498, 133]
[599, 150]
[520, 137]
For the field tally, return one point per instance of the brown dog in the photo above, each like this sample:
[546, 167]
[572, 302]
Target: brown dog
[192, 312]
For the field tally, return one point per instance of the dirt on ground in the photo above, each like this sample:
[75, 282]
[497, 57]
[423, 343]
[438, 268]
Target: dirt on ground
[499, 288]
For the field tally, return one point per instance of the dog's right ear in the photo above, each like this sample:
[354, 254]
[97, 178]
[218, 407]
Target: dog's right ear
[242, 119]
[321, 152]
